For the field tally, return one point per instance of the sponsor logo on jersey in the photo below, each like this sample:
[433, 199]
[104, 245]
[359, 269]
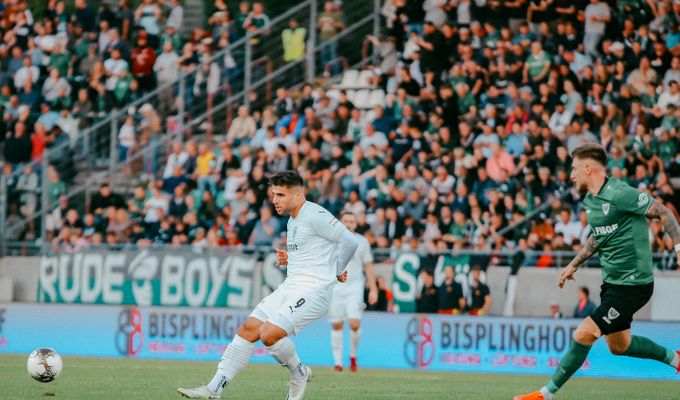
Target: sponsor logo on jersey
[605, 208]
[612, 314]
[606, 230]
[643, 199]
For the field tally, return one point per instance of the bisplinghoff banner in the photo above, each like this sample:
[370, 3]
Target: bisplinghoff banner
[428, 342]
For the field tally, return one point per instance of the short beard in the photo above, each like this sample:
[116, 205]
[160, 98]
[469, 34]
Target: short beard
[582, 189]
[284, 212]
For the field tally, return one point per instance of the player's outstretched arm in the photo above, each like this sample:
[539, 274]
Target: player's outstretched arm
[670, 224]
[586, 252]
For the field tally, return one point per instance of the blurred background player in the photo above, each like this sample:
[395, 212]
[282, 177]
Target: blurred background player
[618, 216]
[347, 302]
[319, 248]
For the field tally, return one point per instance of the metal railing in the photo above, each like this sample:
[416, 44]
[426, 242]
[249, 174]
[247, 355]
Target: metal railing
[515, 259]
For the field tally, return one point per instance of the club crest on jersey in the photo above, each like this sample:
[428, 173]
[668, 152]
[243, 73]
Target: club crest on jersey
[605, 208]
[612, 314]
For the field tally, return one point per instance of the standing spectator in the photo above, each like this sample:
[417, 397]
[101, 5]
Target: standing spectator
[480, 296]
[125, 18]
[451, 298]
[18, 146]
[256, 18]
[330, 24]
[585, 307]
[536, 66]
[126, 138]
[431, 49]
[293, 39]
[205, 169]
[434, 12]
[176, 15]
[155, 209]
[167, 72]
[85, 16]
[148, 16]
[143, 59]
[427, 300]
[597, 16]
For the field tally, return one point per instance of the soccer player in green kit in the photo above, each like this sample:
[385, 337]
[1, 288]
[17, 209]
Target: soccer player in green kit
[617, 214]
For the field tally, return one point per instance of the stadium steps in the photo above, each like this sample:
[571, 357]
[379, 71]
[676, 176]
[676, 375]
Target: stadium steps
[194, 16]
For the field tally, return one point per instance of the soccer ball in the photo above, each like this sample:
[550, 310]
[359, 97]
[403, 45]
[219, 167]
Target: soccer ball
[44, 365]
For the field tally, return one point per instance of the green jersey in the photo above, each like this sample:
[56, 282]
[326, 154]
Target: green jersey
[618, 223]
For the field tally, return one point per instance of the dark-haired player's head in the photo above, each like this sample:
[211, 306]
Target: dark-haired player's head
[590, 161]
[288, 191]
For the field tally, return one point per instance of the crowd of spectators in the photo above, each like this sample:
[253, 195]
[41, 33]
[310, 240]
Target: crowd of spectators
[484, 102]
[67, 68]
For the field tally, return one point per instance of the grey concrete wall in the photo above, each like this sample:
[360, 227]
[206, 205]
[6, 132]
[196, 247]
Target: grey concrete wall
[537, 288]
[23, 272]
[666, 297]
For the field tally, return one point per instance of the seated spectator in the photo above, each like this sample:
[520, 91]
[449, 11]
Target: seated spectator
[555, 311]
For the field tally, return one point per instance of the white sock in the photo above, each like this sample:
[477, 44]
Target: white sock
[234, 359]
[336, 345]
[546, 393]
[354, 339]
[676, 360]
[284, 352]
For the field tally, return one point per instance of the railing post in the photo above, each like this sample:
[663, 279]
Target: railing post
[376, 28]
[311, 42]
[3, 214]
[181, 106]
[248, 69]
[113, 150]
[45, 200]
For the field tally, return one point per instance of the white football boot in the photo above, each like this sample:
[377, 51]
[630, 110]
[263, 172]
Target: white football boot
[296, 389]
[201, 392]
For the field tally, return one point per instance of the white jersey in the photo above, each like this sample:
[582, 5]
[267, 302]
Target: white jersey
[355, 268]
[311, 244]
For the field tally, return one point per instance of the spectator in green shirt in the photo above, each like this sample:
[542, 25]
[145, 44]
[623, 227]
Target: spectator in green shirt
[536, 66]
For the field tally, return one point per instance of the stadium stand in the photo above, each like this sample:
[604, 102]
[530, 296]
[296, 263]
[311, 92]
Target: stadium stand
[456, 134]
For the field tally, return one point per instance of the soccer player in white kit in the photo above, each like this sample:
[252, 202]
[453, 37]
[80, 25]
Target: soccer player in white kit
[319, 248]
[348, 299]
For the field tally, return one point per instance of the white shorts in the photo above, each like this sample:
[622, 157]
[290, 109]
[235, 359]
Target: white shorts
[347, 303]
[291, 307]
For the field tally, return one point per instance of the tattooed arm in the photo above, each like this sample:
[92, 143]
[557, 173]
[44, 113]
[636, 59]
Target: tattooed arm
[586, 252]
[670, 224]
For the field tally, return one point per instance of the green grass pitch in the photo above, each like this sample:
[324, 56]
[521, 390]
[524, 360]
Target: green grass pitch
[101, 378]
